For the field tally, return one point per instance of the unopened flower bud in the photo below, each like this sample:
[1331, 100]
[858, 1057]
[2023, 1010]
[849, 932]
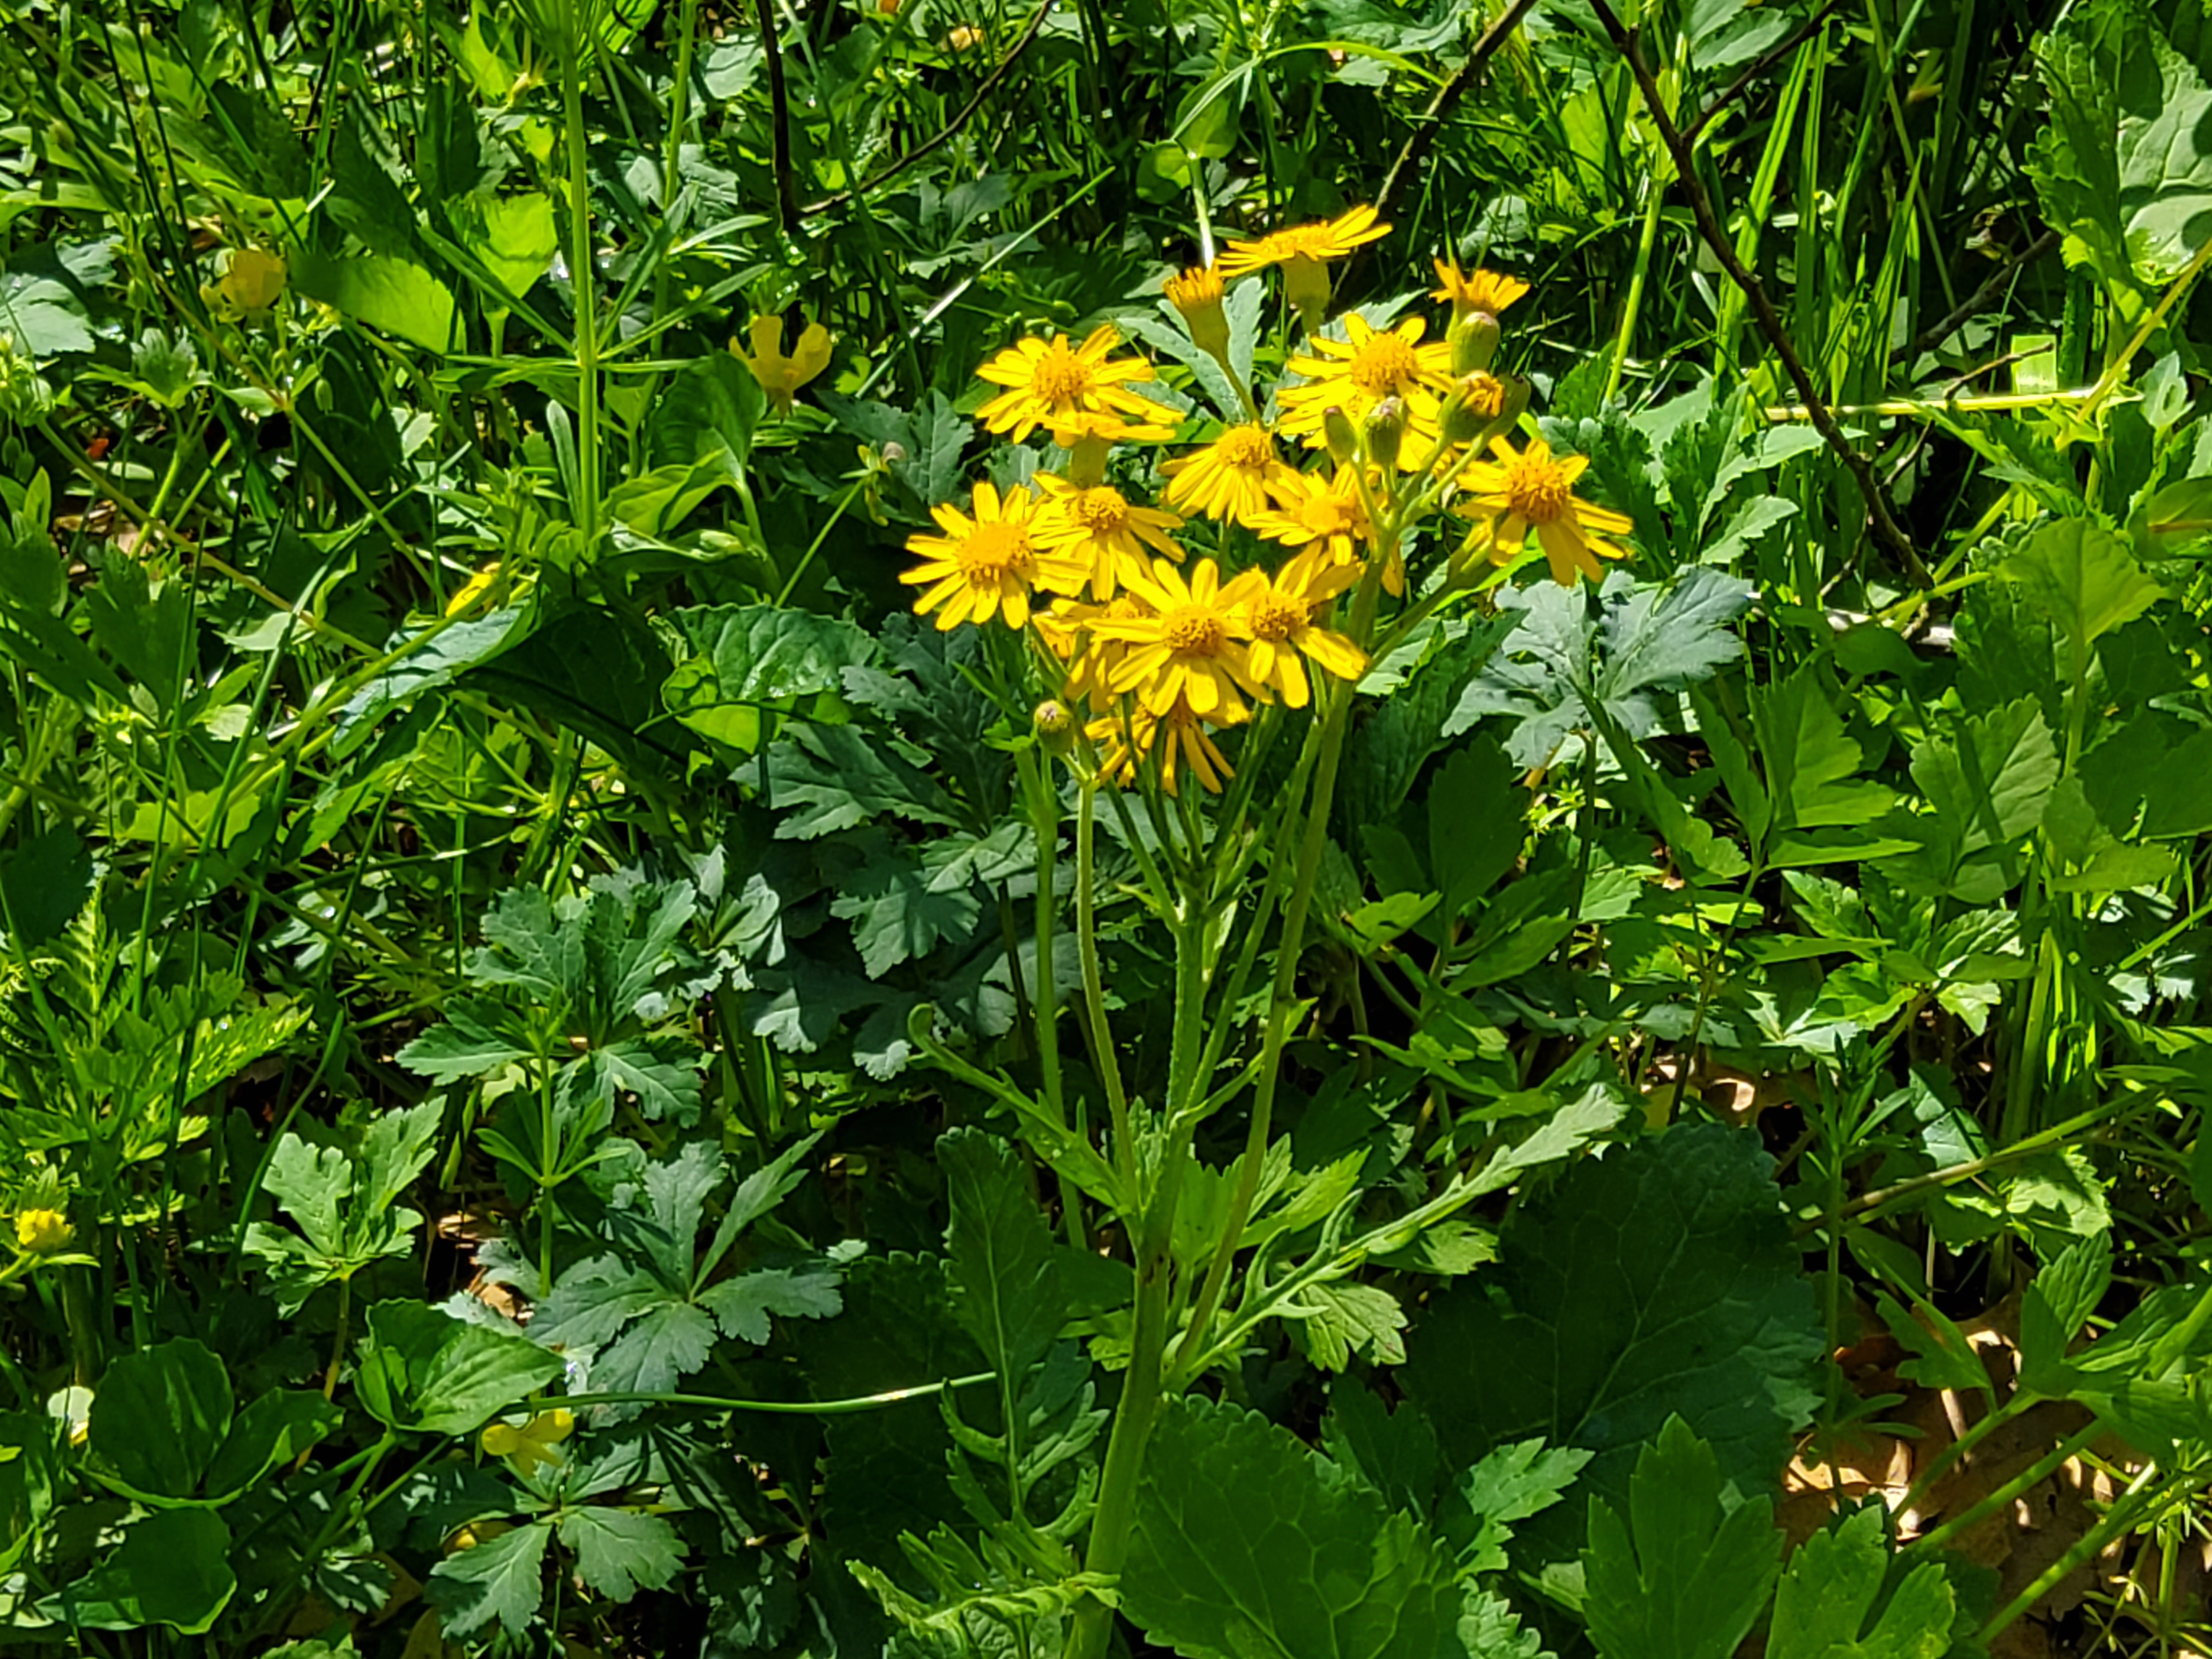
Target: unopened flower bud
[894, 452]
[1386, 431]
[1305, 283]
[1481, 406]
[1196, 295]
[1473, 339]
[1054, 725]
[1336, 430]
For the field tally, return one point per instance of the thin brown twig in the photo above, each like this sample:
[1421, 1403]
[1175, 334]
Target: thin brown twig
[946, 133]
[787, 182]
[1936, 333]
[1887, 530]
[1425, 134]
[1755, 70]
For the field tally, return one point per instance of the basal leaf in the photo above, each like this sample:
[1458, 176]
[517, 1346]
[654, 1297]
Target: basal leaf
[1657, 1281]
[421, 1369]
[160, 1416]
[834, 777]
[1681, 1575]
[1250, 1546]
[742, 1306]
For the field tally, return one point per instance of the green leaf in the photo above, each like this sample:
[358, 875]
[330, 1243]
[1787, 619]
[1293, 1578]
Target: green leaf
[276, 1428]
[1477, 823]
[2058, 1303]
[1006, 1287]
[1823, 1608]
[898, 912]
[159, 1419]
[2080, 575]
[424, 661]
[1394, 1452]
[27, 1479]
[1248, 1545]
[1812, 768]
[1684, 1575]
[45, 295]
[172, 1568]
[838, 777]
[500, 1578]
[2119, 164]
[1988, 781]
[394, 296]
[760, 654]
[1660, 1280]
[742, 1306]
[422, 1368]
[466, 1045]
[1510, 1484]
[148, 631]
[44, 884]
[619, 1553]
[514, 237]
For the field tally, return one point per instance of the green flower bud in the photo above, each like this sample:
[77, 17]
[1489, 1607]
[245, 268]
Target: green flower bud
[1343, 441]
[1386, 431]
[1054, 725]
[1474, 340]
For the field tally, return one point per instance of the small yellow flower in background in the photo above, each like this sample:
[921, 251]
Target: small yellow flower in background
[1355, 374]
[1533, 492]
[1278, 614]
[985, 567]
[1178, 738]
[1197, 295]
[1485, 291]
[529, 1443]
[1333, 239]
[1234, 477]
[472, 589]
[1329, 514]
[251, 281]
[780, 376]
[1303, 251]
[1104, 528]
[1191, 651]
[43, 1232]
[1156, 425]
[1048, 378]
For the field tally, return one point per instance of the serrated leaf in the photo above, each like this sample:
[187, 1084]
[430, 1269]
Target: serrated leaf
[764, 653]
[1681, 1576]
[1824, 1604]
[466, 1045]
[1006, 1287]
[835, 777]
[1248, 1545]
[899, 912]
[742, 1306]
[1510, 1484]
[2082, 576]
[500, 1578]
[1658, 1281]
[2058, 1302]
[1393, 1451]
[619, 1553]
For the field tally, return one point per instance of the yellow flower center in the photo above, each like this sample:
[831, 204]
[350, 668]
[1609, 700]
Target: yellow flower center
[1059, 376]
[1385, 364]
[1195, 631]
[1539, 490]
[1246, 448]
[1101, 512]
[995, 549]
[1277, 618]
[1332, 514]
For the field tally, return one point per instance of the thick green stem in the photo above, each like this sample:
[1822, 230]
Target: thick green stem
[1094, 985]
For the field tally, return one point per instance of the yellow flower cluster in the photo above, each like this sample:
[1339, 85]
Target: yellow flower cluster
[1164, 650]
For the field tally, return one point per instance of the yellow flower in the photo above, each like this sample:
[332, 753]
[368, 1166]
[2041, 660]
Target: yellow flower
[1232, 477]
[1279, 614]
[1190, 651]
[986, 565]
[1156, 425]
[1534, 491]
[1090, 660]
[780, 376]
[1357, 374]
[1044, 379]
[1486, 291]
[1197, 295]
[1328, 514]
[473, 589]
[1179, 736]
[43, 1232]
[1102, 527]
[529, 1443]
[1331, 239]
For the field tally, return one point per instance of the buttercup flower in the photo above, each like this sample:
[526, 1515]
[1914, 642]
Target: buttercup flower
[529, 1443]
[1232, 477]
[1191, 650]
[985, 566]
[43, 1232]
[1279, 615]
[1048, 378]
[780, 376]
[1103, 528]
[1354, 374]
[1486, 291]
[1533, 491]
